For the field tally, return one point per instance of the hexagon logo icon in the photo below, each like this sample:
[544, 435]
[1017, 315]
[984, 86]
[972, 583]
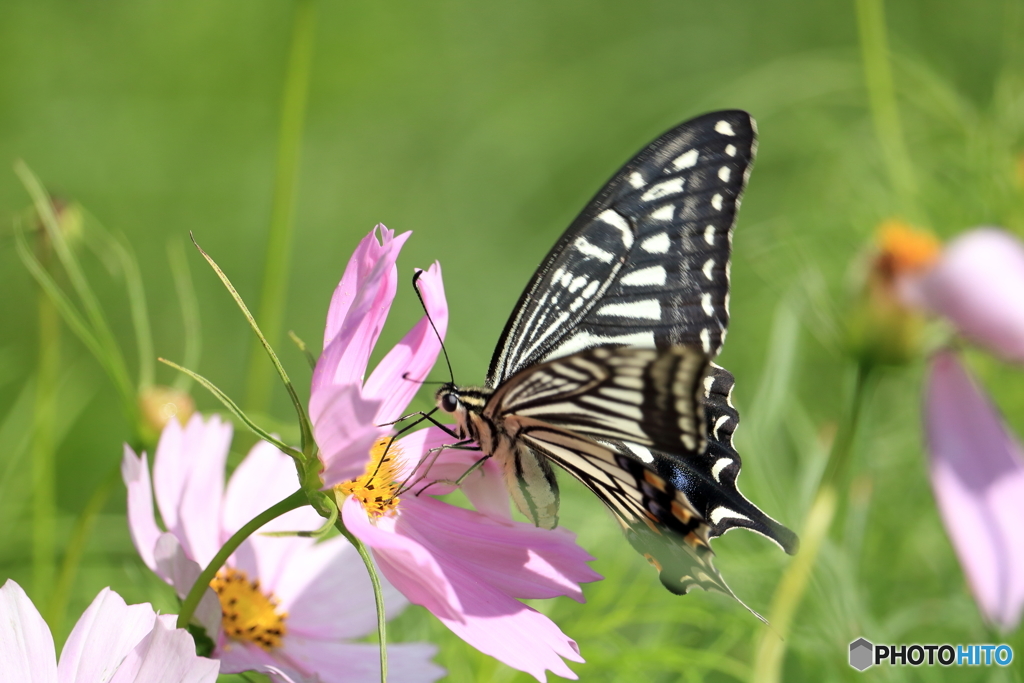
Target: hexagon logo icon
[861, 654]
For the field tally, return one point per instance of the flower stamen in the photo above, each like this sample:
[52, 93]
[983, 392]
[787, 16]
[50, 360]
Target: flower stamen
[248, 614]
[377, 488]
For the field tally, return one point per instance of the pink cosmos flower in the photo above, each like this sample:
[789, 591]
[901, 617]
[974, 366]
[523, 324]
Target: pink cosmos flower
[977, 473]
[977, 470]
[977, 284]
[284, 606]
[468, 568]
[112, 642]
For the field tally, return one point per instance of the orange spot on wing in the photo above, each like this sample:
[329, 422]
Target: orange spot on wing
[655, 481]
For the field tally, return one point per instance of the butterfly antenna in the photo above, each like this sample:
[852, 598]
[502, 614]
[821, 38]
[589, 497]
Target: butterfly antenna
[407, 378]
[444, 351]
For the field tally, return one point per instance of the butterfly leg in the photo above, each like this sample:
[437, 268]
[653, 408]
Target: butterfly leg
[423, 417]
[431, 455]
[462, 477]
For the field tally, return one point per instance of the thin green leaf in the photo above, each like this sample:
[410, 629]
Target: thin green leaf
[302, 347]
[235, 410]
[189, 311]
[64, 305]
[316, 533]
[113, 250]
[137, 304]
[307, 432]
[116, 366]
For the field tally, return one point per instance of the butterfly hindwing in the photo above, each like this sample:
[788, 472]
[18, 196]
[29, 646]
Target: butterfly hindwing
[711, 479]
[659, 520]
[647, 261]
[572, 411]
[650, 397]
[708, 478]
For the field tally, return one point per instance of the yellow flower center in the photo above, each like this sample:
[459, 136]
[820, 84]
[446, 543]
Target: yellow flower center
[904, 248]
[377, 487]
[248, 614]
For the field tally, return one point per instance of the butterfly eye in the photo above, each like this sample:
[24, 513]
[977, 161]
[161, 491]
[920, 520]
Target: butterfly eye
[449, 403]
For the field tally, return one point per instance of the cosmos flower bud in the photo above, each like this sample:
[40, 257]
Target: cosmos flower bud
[882, 328]
[70, 221]
[157, 405]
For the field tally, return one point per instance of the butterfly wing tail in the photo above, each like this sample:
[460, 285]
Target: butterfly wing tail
[681, 566]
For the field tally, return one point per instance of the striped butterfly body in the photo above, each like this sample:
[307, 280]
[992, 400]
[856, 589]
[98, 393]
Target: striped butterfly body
[604, 367]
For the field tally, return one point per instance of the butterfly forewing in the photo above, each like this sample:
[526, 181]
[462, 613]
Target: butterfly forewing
[647, 262]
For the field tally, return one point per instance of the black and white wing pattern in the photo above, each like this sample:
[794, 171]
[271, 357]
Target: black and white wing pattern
[648, 397]
[649, 432]
[647, 261]
[706, 481]
[604, 367]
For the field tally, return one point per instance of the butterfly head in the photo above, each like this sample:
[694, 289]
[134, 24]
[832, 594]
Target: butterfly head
[448, 398]
[461, 402]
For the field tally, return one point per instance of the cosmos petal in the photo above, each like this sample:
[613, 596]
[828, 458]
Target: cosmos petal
[397, 377]
[165, 655]
[141, 520]
[26, 646]
[978, 284]
[358, 309]
[977, 473]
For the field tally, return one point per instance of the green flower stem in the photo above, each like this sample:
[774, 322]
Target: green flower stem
[820, 519]
[44, 495]
[275, 269]
[57, 607]
[839, 456]
[195, 594]
[790, 591]
[874, 46]
[378, 596]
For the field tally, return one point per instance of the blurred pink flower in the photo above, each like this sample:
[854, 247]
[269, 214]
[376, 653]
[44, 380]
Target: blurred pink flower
[286, 605]
[977, 283]
[111, 642]
[977, 473]
[466, 567]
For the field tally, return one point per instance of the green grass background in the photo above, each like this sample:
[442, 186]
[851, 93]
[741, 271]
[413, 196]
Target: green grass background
[484, 127]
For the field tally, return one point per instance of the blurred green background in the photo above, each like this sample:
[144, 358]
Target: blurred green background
[484, 127]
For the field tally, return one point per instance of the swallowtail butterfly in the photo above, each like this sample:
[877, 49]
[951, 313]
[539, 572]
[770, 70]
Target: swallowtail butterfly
[604, 367]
